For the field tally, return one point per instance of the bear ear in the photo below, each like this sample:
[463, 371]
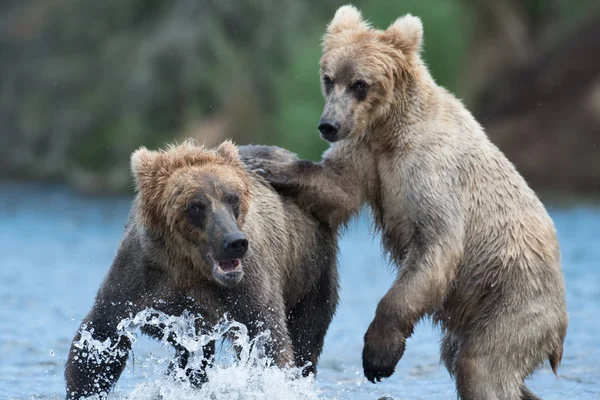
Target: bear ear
[229, 151]
[406, 34]
[346, 17]
[143, 165]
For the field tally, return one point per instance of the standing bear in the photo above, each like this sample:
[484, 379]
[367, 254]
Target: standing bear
[475, 248]
[208, 236]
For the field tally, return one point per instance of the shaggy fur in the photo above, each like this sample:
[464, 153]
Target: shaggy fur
[289, 283]
[476, 249]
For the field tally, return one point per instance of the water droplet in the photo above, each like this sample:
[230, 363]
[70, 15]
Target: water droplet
[51, 353]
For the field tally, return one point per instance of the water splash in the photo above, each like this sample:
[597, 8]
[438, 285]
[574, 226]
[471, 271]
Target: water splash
[241, 369]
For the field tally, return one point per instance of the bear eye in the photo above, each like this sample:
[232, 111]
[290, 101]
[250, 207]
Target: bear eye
[195, 208]
[327, 82]
[195, 212]
[359, 88]
[359, 85]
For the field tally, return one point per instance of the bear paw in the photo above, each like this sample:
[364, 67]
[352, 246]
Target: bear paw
[273, 172]
[381, 353]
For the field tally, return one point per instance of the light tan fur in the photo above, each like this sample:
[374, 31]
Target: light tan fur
[476, 249]
[158, 174]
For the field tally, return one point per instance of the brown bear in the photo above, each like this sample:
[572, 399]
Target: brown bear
[208, 236]
[475, 247]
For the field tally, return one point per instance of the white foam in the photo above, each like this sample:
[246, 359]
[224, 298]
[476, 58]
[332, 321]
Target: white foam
[243, 374]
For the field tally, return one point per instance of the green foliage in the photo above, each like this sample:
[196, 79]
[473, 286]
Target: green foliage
[87, 82]
[299, 100]
[90, 81]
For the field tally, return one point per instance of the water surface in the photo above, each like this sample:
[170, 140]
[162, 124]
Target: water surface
[55, 248]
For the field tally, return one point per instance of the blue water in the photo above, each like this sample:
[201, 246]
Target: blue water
[55, 248]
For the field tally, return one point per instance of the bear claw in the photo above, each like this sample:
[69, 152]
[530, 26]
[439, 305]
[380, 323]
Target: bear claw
[375, 375]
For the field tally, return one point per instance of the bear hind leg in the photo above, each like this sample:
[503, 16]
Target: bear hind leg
[448, 351]
[480, 377]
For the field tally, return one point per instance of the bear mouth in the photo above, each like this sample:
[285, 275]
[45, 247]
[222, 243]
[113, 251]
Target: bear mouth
[227, 266]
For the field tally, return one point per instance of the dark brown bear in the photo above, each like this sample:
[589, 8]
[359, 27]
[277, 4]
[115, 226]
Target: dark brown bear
[207, 236]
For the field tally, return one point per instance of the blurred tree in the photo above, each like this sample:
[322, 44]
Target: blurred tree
[534, 71]
[84, 82]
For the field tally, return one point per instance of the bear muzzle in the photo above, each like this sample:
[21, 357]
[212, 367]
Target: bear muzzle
[329, 129]
[227, 264]
[228, 272]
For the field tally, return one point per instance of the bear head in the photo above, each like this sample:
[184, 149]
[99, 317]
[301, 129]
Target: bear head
[364, 71]
[195, 201]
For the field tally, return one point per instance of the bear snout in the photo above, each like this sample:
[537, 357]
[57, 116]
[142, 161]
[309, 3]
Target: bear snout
[235, 245]
[329, 129]
[227, 267]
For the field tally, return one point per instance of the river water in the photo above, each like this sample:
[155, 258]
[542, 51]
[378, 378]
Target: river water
[55, 248]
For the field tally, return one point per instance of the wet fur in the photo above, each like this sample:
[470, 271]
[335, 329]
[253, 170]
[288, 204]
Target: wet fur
[290, 282]
[475, 248]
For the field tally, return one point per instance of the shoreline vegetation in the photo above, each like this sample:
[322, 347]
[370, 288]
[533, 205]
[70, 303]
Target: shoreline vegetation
[86, 83]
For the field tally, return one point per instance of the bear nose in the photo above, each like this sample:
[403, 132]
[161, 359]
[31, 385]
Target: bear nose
[328, 128]
[235, 244]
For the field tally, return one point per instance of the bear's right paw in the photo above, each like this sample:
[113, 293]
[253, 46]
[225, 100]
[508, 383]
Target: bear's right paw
[273, 172]
[383, 349]
[375, 372]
